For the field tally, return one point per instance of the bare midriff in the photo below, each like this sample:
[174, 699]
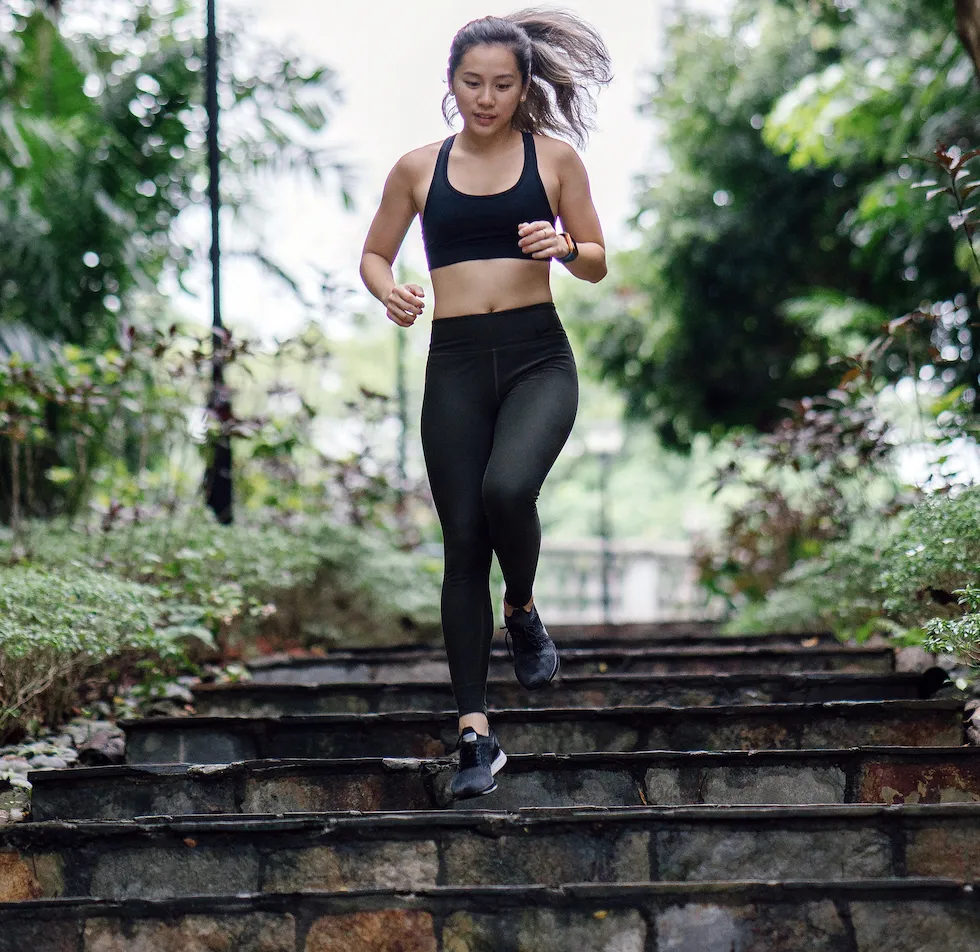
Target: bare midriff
[483, 286]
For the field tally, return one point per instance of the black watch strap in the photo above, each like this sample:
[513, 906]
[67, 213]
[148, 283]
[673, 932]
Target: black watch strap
[573, 254]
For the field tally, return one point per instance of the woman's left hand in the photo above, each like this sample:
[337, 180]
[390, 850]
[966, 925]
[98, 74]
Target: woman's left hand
[540, 240]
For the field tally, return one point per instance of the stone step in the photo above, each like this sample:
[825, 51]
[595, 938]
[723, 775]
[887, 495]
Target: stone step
[854, 775]
[591, 690]
[633, 635]
[161, 859]
[678, 633]
[429, 664]
[890, 915]
[212, 740]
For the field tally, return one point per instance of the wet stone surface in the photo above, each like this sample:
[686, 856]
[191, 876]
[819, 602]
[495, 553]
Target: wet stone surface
[950, 849]
[394, 930]
[561, 730]
[254, 932]
[797, 784]
[359, 865]
[40, 936]
[553, 859]
[159, 872]
[703, 854]
[915, 927]
[546, 930]
[815, 927]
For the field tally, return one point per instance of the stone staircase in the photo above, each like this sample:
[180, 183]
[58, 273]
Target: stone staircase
[675, 791]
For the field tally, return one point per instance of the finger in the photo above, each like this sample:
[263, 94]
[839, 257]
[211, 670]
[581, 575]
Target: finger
[545, 233]
[527, 228]
[398, 308]
[407, 303]
[546, 245]
[411, 298]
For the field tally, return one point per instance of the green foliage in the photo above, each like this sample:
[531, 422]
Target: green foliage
[156, 597]
[294, 578]
[912, 576]
[708, 334]
[56, 628]
[102, 146]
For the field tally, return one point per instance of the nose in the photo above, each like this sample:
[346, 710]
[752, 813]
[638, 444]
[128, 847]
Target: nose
[485, 98]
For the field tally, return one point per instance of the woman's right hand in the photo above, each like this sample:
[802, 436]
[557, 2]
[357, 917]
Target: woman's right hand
[404, 304]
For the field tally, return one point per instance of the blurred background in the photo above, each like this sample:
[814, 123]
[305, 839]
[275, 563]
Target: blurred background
[779, 384]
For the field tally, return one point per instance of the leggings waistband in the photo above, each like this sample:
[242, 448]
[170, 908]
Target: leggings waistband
[491, 329]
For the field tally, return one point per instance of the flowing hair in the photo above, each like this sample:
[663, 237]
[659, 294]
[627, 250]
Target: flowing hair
[560, 53]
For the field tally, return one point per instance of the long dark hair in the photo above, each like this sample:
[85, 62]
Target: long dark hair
[561, 53]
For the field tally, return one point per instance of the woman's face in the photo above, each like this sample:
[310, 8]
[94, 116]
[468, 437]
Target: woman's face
[487, 83]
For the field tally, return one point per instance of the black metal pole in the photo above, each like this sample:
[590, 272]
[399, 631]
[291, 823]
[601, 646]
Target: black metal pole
[218, 485]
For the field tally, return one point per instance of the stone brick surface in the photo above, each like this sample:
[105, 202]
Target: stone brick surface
[665, 786]
[706, 854]
[585, 787]
[270, 793]
[952, 850]
[774, 784]
[255, 932]
[153, 872]
[18, 935]
[668, 786]
[546, 930]
[17, 879]
[566, 737]
[936, 782]
[49, 868]
[361, 865]
[815, 927]
[921, 729]
[549, 859]
[743, 733]
[145, 796]
[390, 930]
[916, 926]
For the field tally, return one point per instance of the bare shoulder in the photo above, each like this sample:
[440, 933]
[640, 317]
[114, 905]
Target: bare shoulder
[556, 152]
[413, 172]
[414, 163]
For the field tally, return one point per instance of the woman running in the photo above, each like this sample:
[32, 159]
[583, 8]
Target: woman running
[501, 390]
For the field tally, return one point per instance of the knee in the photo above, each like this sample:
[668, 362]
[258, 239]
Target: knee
[468, 551]
[504, 497]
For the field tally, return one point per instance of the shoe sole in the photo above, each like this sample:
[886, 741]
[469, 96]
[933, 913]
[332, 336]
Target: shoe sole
[498, 763]
[554, 674]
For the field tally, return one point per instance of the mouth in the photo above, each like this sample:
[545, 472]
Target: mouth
[481, 115]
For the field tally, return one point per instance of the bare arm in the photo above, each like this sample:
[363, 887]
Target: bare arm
[579, 218]
[384, 237]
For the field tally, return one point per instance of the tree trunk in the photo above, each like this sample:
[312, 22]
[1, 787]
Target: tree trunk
[968, 27]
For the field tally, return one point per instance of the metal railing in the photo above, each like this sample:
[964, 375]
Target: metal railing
[647, 581]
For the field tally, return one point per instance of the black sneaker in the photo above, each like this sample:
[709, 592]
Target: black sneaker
[534, 654]
[480, 758]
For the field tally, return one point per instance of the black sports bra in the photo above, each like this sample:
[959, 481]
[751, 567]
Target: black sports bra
[457, 226]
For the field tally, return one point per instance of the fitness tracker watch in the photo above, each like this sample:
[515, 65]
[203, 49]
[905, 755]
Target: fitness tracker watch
[573, 254]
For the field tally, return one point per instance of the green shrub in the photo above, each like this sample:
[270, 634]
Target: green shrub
[57, 628]
[913, 576]
[298, 581]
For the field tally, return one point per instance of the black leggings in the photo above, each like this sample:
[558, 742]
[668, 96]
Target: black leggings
[501, 394]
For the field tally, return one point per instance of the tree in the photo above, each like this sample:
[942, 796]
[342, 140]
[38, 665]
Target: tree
[758, 265]
[102, 148]
[968, 27]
